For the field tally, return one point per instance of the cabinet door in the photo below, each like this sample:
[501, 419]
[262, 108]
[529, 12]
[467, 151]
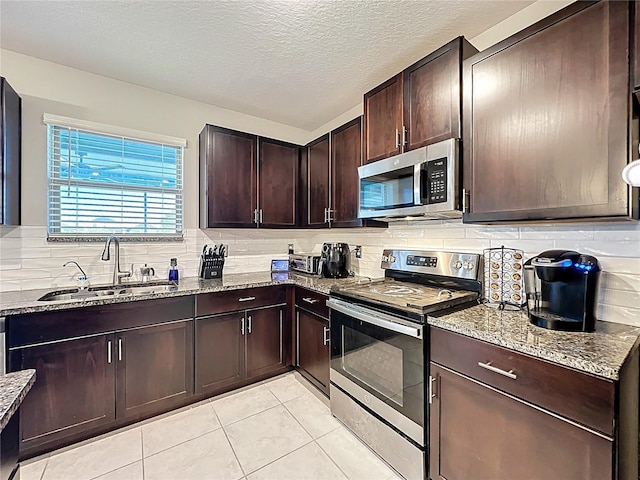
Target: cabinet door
[383, 120]
[155, 368]
[346, 157]
[265, 349]
[313, 348]
[546, 119]
[227, 178]
[317, 182]
[10, 154]
[278, 183]
[479, 432]
[433, 96]
[74, 389]
[219, 352]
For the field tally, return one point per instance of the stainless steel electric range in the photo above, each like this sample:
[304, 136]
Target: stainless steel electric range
[379, 349]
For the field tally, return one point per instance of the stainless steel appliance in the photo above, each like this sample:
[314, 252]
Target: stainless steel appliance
[379, 349]
[335, 260]
[305, 263]
[562, 289]
[423, 182]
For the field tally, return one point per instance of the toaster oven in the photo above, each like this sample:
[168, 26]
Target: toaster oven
[305, 263]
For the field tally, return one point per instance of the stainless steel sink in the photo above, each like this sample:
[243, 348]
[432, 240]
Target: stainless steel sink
[94, 293]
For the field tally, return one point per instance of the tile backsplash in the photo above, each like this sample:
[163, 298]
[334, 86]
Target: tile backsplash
[28, 261]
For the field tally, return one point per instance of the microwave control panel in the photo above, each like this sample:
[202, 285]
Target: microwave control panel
[436, 187]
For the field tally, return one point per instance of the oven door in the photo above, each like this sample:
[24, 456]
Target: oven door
[378, 359]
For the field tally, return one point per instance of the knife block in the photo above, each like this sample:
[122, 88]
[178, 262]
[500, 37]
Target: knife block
[211, 266]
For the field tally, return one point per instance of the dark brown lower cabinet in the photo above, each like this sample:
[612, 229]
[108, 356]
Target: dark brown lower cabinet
[479, 432]
[154, 368]
[219, 352]
[74, 389]
[265, 350]
[313, 353]
[234, 348]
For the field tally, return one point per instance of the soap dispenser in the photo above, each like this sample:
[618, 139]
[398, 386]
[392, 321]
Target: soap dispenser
[173, 271]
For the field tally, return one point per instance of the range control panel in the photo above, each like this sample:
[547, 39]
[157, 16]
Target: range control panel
[422, 261]
[437, 181]
[444, 264]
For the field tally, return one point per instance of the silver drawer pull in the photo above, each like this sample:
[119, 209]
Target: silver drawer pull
[491, 368]
[310, 300]
[246, 299]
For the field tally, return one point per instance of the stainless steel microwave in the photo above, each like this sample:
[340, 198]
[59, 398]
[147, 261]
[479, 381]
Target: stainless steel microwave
[423, 183]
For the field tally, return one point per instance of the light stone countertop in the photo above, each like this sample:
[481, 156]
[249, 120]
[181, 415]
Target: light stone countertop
[13, 388]
[601, 353]
[26, 301]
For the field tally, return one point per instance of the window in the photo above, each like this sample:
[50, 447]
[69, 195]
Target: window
[105, 180]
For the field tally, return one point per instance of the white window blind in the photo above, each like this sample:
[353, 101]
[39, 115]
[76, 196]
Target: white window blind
[102, 183]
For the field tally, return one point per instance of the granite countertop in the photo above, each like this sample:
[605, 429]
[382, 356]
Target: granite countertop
[26, 301]
[601, 353]
[13, 388]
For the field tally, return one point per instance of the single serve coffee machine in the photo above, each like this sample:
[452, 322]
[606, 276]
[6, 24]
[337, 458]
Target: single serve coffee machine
[562, 289]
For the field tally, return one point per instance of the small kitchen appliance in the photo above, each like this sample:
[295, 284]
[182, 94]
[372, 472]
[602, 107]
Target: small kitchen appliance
[424, 183]
[379, 372]
[562, 289]
[305, 263]
[335, 260]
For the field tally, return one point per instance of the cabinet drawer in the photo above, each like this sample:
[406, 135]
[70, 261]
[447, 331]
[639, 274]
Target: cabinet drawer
[313, 301]
[581, 397]
[221, 302]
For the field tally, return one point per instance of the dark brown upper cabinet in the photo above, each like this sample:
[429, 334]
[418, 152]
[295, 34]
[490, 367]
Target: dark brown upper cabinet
[546, 119]
[246, 180]
[228, 178]
[346, 157]
[316, 182]
[419, 106]
[383, 120]
[10, 153]
[330, 183]
[277, 183]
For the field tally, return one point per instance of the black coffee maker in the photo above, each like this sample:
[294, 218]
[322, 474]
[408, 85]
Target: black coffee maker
[335, 260]
[562, 289]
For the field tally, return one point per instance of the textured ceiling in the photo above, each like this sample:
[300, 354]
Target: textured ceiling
[297, 62]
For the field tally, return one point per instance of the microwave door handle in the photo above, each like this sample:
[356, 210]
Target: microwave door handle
[417, 177]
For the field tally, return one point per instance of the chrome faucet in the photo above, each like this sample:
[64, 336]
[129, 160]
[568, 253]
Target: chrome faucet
[118, 274]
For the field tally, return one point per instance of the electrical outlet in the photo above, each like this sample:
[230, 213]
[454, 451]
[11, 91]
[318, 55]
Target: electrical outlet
[358, 251]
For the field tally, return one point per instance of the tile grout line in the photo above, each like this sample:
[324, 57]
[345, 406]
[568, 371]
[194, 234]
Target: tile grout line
[142, 450]
[46, 464]
[244, 474]
[282, 456]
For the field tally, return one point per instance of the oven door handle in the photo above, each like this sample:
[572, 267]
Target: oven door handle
[375, 318]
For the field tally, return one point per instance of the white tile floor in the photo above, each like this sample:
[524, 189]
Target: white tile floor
[276, 430]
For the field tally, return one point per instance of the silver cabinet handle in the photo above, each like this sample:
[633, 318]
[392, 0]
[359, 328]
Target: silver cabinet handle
[260, 215]
[119, 349]
[397, 139]
[491, 368]
[246, 299]
[310, 300]
[431, 394]
[249, 325]
[404, 135]
[256, 219]
[242, 325]
[109, 351]
[325, 331]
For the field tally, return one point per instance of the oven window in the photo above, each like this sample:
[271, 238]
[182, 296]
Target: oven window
[391, 190]
[376, 364]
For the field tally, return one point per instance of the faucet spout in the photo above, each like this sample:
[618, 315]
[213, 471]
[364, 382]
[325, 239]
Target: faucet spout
[118, 274]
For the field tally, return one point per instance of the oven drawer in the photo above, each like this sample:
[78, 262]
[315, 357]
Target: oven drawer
[221, 302]
[578, 396]
[313, 301]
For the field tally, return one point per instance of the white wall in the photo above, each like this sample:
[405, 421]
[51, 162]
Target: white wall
[28, 261]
